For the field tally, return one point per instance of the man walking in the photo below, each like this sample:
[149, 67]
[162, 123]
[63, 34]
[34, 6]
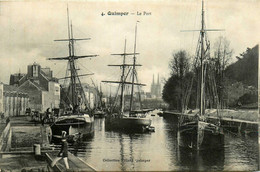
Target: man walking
[63, 154]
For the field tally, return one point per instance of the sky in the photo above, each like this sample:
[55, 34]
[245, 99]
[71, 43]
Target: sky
[28, 30]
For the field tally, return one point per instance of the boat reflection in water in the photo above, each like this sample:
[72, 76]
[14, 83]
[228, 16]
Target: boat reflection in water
[201, 160]
[159, 151]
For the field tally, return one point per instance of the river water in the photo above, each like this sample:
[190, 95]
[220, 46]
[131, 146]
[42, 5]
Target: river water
[115, 151]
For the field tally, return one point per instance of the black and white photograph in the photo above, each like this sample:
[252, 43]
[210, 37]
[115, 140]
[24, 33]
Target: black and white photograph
[113, 85]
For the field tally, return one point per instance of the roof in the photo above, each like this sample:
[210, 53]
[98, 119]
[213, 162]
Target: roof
[10, 88]
[36, 85]
[44, 75]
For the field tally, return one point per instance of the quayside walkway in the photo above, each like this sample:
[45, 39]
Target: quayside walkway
[24, 146]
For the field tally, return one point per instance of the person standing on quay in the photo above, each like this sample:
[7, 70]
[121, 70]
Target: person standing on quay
[63, 154]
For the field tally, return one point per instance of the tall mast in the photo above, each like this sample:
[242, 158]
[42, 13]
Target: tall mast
[202, 31]
[202, 57]
[123, 80]
[72, 70]
[71, 60]
[68, 30]
[133, 74]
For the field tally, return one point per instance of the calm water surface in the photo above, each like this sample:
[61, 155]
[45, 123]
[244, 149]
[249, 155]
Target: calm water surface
[159, 150]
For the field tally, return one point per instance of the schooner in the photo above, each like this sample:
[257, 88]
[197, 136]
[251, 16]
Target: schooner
[76, 117]
[128, 119]
[199, 134]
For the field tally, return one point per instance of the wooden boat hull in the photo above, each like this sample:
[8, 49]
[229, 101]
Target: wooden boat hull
[73, 125]
[99, 114]
[128, 123]
[199, 135]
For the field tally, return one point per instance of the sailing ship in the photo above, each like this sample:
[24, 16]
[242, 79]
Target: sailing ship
[200, 134]
[99, 109]
[123, 119]
[76, 118]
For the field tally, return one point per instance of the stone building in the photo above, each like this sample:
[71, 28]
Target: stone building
[14, 102]
[42, 88]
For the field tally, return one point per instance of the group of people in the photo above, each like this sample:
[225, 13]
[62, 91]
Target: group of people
[46, 117]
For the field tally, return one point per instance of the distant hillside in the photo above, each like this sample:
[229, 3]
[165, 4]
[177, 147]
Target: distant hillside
[242, 80]
[245, 70]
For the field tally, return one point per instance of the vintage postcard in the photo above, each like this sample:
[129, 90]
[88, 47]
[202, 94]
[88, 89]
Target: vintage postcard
[129, 85]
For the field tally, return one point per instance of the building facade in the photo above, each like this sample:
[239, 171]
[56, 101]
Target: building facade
[14, 101]
[41, 87]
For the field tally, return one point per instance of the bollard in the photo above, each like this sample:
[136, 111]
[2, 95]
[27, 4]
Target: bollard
[37, 149]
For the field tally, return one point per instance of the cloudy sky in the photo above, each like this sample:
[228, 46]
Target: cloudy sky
[28, 29]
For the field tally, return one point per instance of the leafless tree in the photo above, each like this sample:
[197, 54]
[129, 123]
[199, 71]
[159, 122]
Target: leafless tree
[222, 57]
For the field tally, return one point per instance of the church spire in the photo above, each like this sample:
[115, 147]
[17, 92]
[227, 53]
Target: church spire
[153, 79]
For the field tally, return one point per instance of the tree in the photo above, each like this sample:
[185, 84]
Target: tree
[177, 89]
[170, 93]
[222, 53]
[222, 56]
[180, 64]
